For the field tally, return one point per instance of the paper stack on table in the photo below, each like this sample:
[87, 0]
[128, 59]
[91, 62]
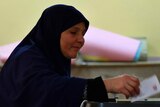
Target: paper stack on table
[148, 88]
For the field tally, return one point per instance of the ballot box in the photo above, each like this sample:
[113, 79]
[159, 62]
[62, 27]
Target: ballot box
[123, 103]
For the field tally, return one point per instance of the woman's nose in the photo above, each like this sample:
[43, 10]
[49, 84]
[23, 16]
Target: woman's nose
[81, 38]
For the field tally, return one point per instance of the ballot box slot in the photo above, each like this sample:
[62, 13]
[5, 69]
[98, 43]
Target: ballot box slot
[123, 103]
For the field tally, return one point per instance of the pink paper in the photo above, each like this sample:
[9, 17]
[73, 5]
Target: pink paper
[6, 50]
[109, 46]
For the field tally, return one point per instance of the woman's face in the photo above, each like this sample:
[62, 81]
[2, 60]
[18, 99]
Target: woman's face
[72, 40]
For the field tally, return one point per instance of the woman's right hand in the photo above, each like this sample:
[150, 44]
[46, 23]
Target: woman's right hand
[124, 84]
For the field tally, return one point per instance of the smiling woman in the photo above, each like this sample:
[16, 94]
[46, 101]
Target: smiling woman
[72, 40]
[37, 73]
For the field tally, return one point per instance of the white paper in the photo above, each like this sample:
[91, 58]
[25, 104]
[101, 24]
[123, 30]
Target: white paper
[148, 87]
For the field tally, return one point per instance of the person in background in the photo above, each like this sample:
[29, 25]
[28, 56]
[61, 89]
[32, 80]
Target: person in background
[37, 73]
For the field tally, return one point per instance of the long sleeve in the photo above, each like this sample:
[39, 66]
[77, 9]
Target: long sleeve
[96, 90]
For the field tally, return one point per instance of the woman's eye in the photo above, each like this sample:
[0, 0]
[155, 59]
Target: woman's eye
[73, 33]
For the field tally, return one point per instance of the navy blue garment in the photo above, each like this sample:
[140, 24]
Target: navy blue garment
[37, 74]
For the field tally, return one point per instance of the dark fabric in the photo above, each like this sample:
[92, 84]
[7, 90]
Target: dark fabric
[96, 90]
[37, 74]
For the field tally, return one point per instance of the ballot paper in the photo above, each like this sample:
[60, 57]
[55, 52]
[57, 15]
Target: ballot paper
[148, 88]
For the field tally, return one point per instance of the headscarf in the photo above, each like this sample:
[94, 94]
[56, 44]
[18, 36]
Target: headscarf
[46, 33]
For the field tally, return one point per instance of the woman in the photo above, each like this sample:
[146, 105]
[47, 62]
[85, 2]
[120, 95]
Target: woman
[37, 73]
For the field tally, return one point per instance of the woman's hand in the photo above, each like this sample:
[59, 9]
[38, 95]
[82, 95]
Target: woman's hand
[124, 84]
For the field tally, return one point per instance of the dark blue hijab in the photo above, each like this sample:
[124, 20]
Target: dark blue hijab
[37, 74]
[46, 34]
